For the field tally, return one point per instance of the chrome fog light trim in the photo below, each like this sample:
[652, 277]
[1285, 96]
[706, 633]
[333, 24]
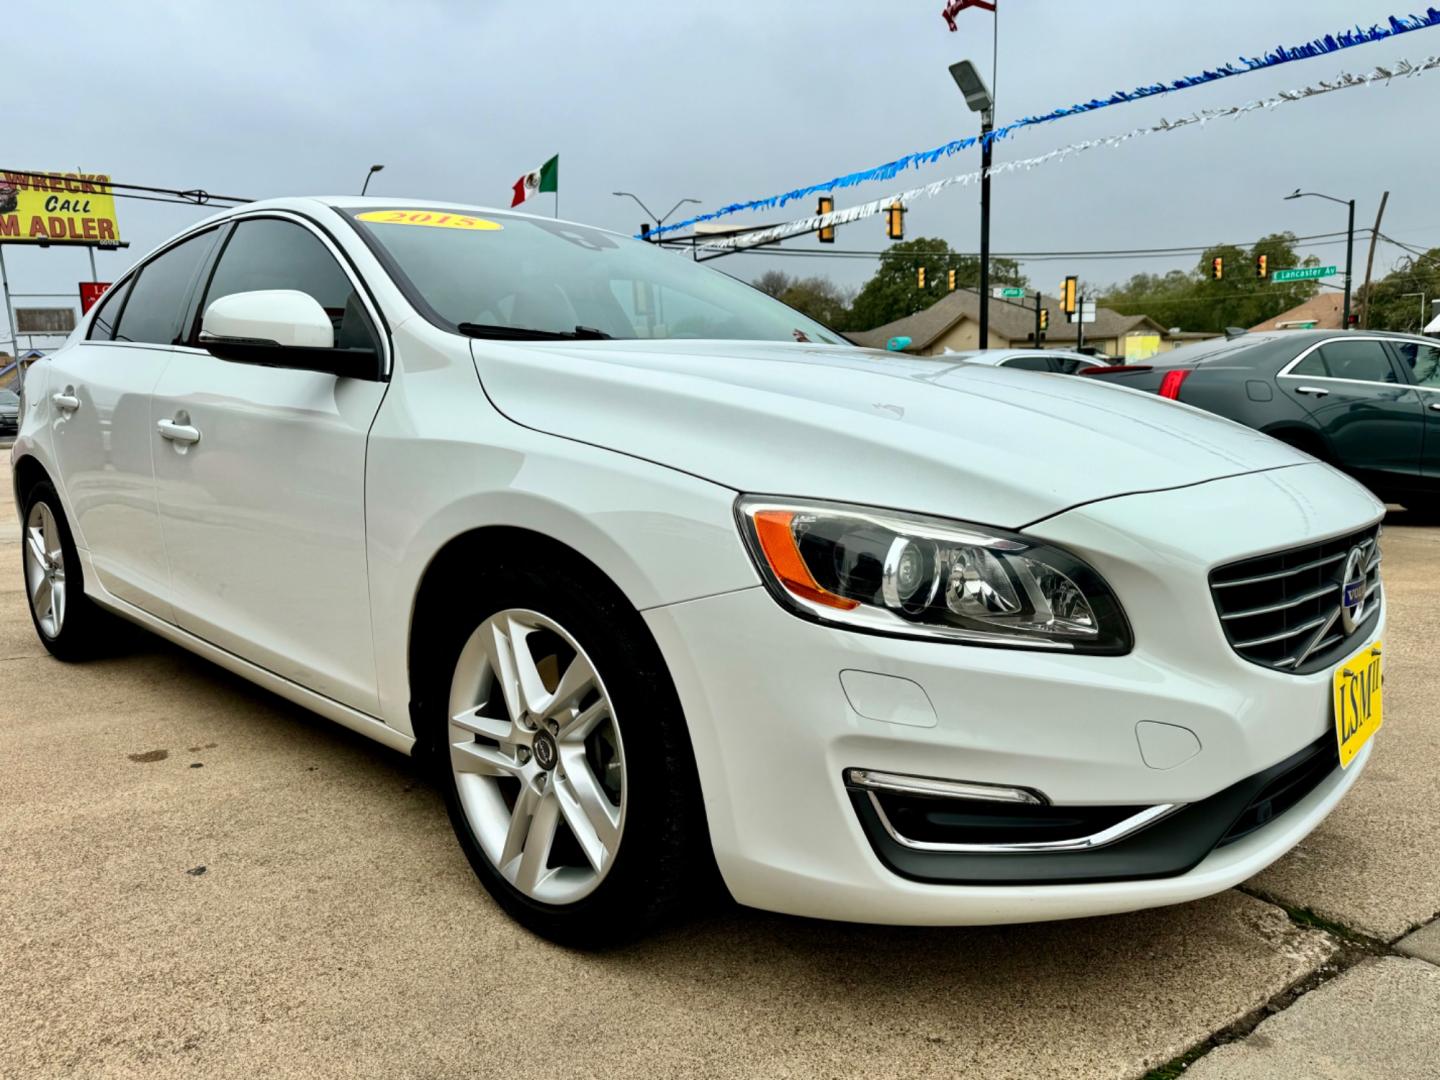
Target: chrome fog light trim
[874, 780]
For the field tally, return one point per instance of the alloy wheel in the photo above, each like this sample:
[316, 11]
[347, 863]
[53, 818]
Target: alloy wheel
[538, 760]
[45, 569]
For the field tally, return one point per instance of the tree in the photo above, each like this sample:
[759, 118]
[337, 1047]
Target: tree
[894, 292]
[821, 299]
[1394, 304]
[773, 282]
[1198, 301]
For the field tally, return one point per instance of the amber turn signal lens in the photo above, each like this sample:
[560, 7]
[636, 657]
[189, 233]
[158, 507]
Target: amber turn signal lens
[777, 541]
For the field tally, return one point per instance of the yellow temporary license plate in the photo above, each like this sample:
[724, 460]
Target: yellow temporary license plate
[1357, 701]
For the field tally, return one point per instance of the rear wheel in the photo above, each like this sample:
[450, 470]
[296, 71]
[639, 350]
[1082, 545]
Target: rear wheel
[68, 622]
[564, 757]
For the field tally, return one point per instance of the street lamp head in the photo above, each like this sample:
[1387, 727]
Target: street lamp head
[376, 168]
[1294, 194]
[967, 78]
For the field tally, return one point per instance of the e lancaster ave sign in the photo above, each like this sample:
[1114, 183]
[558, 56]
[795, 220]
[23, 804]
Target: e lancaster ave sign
[1303, 273]
[54, 208]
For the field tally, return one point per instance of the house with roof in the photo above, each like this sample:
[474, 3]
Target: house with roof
[1323, 311]
[953, 322]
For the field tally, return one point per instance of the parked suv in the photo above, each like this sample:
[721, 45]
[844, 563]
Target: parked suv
[1366, 402]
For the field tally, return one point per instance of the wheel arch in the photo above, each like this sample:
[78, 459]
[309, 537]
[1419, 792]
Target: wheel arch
[1302, 437]
[27, 471]
[492, 545]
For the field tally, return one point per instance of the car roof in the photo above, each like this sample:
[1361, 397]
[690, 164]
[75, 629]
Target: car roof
[1297, 340]
[377, 202]
[999, 356]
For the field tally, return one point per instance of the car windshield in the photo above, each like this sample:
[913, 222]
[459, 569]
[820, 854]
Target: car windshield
[506, 276]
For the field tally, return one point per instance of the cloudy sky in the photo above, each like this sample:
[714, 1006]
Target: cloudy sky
[722, 102]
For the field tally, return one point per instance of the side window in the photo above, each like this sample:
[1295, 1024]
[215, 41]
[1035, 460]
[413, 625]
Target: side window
[156, 306]
[1365, 361]
[1313, 366]
[1422, 360]
[102, 327]
[267, 253]
[1029, 363]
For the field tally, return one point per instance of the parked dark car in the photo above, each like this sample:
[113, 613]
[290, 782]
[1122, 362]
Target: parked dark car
[9, 413]
[1366, 402]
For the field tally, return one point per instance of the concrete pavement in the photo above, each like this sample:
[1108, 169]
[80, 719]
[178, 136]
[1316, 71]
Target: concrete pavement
[202, 880]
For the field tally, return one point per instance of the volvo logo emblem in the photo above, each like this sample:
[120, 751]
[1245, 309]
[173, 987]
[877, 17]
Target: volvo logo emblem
[545, 753]
[1352, 590]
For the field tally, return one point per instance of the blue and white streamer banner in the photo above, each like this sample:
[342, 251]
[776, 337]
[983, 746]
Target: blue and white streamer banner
[1324, 46]
[1343, 81]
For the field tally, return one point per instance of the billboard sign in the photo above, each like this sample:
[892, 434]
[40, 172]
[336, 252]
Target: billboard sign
[50, 208]
[90, 292]
[44, 320]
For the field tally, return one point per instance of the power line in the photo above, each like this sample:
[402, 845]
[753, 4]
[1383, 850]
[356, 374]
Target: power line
[194, 196]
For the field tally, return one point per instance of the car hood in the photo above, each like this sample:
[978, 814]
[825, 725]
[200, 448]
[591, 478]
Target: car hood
[999, 446]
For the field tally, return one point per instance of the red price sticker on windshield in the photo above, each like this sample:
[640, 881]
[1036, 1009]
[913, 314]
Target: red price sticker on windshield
[432, 218]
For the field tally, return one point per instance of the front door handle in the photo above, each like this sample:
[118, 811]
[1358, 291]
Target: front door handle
[179, 433]
[66, 401]
[1318, 391]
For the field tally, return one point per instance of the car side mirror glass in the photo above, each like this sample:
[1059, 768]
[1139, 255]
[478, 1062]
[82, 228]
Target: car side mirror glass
[281, 328]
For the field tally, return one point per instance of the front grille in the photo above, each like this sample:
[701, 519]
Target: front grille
[1320, 759]
[1283, 610]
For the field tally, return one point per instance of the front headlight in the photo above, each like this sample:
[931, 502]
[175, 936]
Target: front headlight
[889, 572]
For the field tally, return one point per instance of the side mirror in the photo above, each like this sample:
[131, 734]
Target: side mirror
[281, 328]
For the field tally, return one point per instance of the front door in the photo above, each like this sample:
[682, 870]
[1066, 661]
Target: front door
[1422, 362]
[260, 477]
[100, 420]
[1370, 416]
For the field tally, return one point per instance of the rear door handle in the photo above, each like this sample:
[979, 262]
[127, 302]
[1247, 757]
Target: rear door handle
[65, 401]
[1318, 391]
[180, 433]
[1435, 406]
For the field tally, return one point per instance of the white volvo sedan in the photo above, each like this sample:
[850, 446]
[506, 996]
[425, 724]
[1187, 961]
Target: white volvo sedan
[665, 578]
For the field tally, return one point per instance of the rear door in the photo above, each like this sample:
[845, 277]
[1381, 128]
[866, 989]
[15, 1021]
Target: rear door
[1368, 412]
[263, 514]
[100, 421]
[1421, 362]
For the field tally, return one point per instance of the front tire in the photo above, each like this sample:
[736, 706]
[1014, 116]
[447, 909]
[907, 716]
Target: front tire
[564, 757]
[68, 622]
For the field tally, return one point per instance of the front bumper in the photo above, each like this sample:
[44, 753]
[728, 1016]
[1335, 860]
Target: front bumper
[775, 730]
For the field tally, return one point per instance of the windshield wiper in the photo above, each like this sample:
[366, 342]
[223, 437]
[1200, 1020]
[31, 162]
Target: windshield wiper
[522, 333]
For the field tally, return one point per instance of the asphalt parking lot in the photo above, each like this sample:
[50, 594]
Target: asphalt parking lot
[200, 879]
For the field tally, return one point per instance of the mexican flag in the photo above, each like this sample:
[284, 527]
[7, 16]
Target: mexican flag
[545, 178]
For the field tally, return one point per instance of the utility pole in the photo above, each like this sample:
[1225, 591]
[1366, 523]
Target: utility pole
[1370, 265]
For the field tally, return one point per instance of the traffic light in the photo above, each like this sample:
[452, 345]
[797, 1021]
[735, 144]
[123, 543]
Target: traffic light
[1067, 295]
[1262, 266]
[1044, 319]
[826, 206]
[920, 277]
[895, 221]
[951, 275]
[1217, 268]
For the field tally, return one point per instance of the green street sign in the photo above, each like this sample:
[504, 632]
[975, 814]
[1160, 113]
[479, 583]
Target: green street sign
[1304, 273]
[1009, 292]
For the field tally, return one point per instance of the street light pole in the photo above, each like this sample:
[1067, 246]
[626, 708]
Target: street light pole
[980, 100]
[373, 170]
[987, 125]
[1349, 242]
[650, 213]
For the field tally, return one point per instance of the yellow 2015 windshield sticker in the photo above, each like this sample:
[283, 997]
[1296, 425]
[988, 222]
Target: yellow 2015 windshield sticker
[432, 218]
